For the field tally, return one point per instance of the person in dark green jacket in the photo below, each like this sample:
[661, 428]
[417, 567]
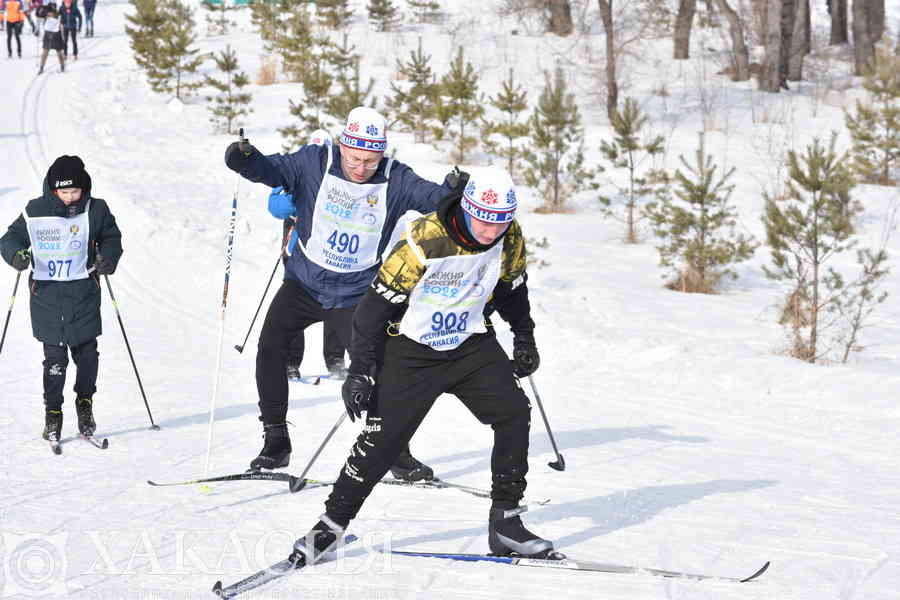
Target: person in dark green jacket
[68, 239]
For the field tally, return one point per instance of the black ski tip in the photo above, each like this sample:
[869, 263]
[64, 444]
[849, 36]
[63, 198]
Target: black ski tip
[758, 573]
[217, 589]
[152, 483]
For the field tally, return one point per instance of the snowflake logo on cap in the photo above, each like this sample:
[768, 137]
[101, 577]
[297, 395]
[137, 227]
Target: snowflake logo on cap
[511, 197]
[372, 130]
[354, 126]
[489, 196]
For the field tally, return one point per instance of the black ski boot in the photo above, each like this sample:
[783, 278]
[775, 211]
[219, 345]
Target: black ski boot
[86, 424]
[276, 452]
[407, 468]
[507, 535]
[293, 372]
[321, 539]
[53, 420]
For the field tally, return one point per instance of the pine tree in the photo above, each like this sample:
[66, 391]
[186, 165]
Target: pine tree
[383, 14]
[179, 59]
[143, 30]
[426, 11]
[413, 105]
[628, 152]
[459, 87]
[875, 128]
[350, 92]
[296, 42]
[217, 21]
[231, 103]
[334, 14]
[162, 40]
[500, 137]
[805, 230]
[267, 16]
[860, 298]
[556, 155]
[698, 230]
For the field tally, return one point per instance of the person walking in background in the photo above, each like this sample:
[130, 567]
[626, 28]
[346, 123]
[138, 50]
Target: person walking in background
[14, 16]
[89, 6]
[70, 18]
[67, 238]
[36, 25]
[52, 36]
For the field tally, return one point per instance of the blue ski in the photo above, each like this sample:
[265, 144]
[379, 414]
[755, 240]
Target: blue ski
[578, 565]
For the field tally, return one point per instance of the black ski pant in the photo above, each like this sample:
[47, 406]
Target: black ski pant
[56, 359]
[89, 20]
[291, 312]
[411, 379]
[332, 348]
[74, 34]
[14, 29]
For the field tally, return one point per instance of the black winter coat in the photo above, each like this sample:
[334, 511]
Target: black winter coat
[66, 312]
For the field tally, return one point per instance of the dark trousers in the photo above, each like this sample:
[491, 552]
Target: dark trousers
[412, 377]
[56, 359]
[89, 20]
[14, 29]
[74, 34]
[292, 311]
[332, 348]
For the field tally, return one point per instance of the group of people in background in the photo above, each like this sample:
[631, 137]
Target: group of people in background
[59, 24]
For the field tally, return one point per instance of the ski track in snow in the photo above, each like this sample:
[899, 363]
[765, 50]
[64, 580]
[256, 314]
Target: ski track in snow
[690, 443]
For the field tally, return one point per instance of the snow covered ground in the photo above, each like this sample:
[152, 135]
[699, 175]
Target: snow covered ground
[691, 442]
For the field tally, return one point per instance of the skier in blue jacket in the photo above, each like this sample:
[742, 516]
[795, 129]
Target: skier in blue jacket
[348, 198]
[281, 206]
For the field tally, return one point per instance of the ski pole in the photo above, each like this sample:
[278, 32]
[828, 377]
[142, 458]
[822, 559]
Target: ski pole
[9, 313]
[240, 347]
[319, 451]
[115, 304]
[229, 246]
[559, 464]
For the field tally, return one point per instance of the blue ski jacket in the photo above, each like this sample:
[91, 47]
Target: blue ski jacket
[301, 174]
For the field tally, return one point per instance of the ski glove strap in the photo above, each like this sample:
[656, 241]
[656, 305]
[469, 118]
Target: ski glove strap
[357, 394]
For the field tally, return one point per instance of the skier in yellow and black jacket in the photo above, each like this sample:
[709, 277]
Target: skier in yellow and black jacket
[421, 331]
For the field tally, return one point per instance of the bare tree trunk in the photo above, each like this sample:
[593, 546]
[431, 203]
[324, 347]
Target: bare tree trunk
[769, 75]
[876, 19]
[612, 85]
[788, 17]
[863, 44]
[560, 16]
[800, 41]
[682, 34]
[838, 11]
[739, 52]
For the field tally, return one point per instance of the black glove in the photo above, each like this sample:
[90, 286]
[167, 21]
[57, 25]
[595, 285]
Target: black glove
[21, 260]
[357, 394]
[103, 265]
[238, 151]
[526, 359]
[457, 179]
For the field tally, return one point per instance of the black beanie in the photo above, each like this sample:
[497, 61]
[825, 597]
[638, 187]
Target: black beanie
[67, 172]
